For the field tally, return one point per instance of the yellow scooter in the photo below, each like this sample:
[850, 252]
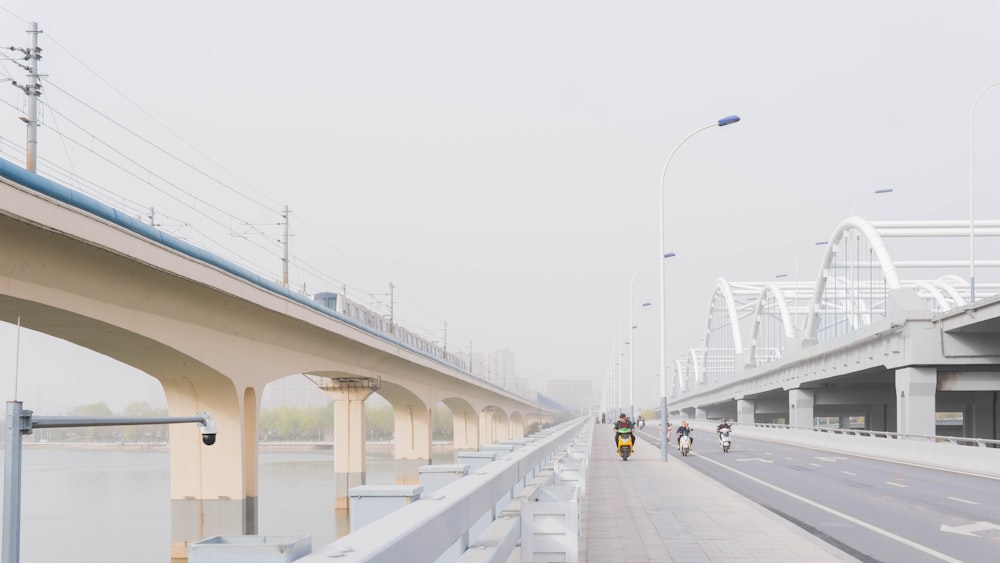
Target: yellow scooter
[624, 443]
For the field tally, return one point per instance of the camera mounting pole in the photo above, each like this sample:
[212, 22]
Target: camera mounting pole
[20, 422]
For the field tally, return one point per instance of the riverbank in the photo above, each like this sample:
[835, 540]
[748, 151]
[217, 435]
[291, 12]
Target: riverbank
[163, 446]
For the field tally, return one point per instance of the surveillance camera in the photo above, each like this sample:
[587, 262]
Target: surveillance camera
[208, 430]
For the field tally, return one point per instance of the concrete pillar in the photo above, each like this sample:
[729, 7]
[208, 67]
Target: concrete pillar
[916, 390]
[465, 430]
[210, 485]
[348, 435]
[700, 413]
[413, 441]
[487, 432]
[985, 415]
[501, 424]
[881, 417]
[801, 405]
[845, 422]
[517, 427]
[745, 411]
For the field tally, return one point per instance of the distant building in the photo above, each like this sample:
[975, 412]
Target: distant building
[501, 369]
[574, 394]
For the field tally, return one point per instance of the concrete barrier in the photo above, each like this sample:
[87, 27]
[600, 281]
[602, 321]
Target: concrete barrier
[902, 449]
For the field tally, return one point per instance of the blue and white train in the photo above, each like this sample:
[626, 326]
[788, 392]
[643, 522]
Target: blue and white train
[379, 324]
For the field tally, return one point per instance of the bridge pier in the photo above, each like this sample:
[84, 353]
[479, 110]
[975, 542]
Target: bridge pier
[916, 391]
[349, 396]
[465, 429]
[413, 424]
[745, 411]
[801, 407]
[213, 489]
[985, 416]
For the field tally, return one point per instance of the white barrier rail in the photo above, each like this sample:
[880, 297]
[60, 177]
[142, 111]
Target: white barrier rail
[426, 529]
[948, 453]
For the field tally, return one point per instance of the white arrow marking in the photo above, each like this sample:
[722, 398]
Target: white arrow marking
[755, 459]
[969, 529]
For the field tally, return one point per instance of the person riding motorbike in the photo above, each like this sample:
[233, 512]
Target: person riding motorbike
[724, 425]
[684, 430]
[624, 422]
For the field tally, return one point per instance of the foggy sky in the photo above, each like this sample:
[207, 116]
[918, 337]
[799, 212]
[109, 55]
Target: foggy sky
[499, 163]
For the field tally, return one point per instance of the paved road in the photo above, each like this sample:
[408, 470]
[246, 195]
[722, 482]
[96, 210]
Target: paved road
[645, 510]
[872, 509]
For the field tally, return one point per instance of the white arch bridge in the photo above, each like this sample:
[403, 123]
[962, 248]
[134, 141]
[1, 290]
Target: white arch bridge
[862, 342]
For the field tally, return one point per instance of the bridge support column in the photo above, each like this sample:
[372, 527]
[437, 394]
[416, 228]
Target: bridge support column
[487, 431]
[916, 390]
[985, 417]
[700, 414]
[348, 434]
[801, 405]
[745, 411]
[465, 430]
[213, 489]
[413, 441]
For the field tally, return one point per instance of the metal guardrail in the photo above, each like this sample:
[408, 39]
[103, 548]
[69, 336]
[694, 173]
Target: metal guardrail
[954, 440]
[427, 528]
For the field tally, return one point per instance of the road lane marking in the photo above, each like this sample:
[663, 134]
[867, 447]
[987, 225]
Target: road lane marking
[900, 485]
[963, 500]
[848, 473]
[760, 459]
[969, 529]
[815, 464]
[839, 514]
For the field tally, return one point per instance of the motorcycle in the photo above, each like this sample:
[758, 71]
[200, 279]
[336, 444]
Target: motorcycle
[724, 440]
[624, 443]
[685, 444]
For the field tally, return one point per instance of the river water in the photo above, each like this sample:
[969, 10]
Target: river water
[113, 505]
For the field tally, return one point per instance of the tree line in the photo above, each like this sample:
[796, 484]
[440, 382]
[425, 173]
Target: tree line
[282, 424]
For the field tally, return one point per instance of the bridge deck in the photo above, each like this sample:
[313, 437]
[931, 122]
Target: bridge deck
[648, 510]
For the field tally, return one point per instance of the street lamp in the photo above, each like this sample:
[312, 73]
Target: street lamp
[663, 287]
[876, 192]
[631, 356]
[972, 198]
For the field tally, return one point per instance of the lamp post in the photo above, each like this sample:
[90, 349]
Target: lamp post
[876, 192]
[631, 356]
[972, 196]
[663, 287]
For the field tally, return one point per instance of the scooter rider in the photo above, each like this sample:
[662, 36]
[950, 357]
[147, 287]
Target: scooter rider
[624, 422]
[724, 425]
[684, 430]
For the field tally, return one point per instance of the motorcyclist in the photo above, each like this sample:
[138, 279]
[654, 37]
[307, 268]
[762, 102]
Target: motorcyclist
[724, 425]
[624, 422]
[684, 430]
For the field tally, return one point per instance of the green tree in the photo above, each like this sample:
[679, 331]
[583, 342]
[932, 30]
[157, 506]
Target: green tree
[144, 433]
[94, 433]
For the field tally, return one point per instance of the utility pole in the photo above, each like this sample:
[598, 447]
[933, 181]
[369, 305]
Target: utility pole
[284, 260]
[392, 307]
[32, 89]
